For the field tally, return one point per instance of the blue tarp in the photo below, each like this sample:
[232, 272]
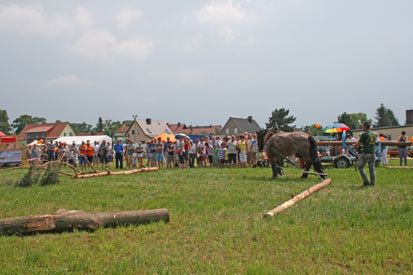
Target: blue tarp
[194, 137]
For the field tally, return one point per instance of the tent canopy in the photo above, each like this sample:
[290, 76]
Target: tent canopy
[2, 134]
[164, 136]
[78, 139]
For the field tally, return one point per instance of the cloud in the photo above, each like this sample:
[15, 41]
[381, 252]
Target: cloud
[66, 81]
[191, 77]
[30, 19]
[226, 16]
[222, 13]
[104, 46]
[188, 46]
[125, 17]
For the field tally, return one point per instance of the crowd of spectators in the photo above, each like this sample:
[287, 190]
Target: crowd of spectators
[230, 151]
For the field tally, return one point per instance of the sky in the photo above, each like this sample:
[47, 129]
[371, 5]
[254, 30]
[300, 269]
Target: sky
[200, 62]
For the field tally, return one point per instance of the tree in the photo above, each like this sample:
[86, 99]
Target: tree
[111, 126]
[385, 117]
[4, 122]
[354, 120]
[81, 127]
[280, 116]
[314, 130]
[19, 123]
[99, 126]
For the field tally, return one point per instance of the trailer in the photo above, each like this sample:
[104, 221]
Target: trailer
[340, 153]
[12, 153]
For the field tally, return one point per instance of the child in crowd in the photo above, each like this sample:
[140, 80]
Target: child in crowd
[215, 154]
[134, 159]
[221, 155]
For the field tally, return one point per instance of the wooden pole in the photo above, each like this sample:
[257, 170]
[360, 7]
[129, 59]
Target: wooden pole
[109, 173]
[67, 220]
[297, 198]
[398, 167]
[91, 166]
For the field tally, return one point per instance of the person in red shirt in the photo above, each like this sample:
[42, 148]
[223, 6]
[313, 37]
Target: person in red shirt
[186, 153]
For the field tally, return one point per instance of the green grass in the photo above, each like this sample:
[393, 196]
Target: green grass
[217, 224]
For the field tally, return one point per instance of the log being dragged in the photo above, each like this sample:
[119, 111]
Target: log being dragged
[67, 220]
[110, 173]
[298, 198]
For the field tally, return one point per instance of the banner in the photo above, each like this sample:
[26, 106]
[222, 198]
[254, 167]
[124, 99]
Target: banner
[10, 157]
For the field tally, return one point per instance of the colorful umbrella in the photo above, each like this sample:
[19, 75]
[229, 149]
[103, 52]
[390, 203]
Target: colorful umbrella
[337, 128]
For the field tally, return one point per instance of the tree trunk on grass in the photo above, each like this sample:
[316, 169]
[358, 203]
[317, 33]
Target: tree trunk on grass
[67, 220]
[109, 173]
[297, 198]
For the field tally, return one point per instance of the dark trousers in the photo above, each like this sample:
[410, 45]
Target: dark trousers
[119, 160]
[192, 160]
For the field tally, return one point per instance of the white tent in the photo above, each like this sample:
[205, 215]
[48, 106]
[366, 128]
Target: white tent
[79, 139]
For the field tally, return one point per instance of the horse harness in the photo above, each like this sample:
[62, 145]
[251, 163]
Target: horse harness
[269, 134]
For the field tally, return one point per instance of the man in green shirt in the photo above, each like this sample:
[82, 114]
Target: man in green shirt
[368, 140]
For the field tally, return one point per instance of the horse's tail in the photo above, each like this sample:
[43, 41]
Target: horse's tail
[314, 155]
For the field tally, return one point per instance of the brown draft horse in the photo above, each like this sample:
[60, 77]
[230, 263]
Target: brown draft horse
[279, 145]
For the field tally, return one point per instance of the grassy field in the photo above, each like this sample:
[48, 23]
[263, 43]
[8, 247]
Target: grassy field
[217, 224]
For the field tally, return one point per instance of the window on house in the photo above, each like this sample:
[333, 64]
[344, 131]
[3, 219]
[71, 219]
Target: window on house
[227, 131]
[64, 134]
[133, 132]
[70, 134]
[235, 130]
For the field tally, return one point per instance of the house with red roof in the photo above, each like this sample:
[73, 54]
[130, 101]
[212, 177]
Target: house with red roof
[182, 128]
[45, 131]
[121, 132]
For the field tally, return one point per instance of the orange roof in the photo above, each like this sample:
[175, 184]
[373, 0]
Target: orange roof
[194, 129]
[122, 129]
[40, 129]
[53, 132]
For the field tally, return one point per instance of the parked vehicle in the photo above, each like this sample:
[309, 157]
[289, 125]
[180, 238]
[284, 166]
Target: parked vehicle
[343, 155]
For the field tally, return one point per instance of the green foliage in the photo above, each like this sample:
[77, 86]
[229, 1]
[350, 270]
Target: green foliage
[19, 123]
[81, 127]
[111, 126]
[31, 178]
[385, 117]
[353, 120]
[99, 126]
[51, 175]
[4, 122]
[314, 130]
[282, 118]
[216, 224]
[108, 126]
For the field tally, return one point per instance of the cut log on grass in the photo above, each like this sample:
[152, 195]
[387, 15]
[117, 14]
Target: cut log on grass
[297, 198]
[109, 173]
[398, 167]
[67, 220]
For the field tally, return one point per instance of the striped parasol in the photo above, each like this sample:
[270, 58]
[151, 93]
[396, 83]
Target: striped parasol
[336, 128]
